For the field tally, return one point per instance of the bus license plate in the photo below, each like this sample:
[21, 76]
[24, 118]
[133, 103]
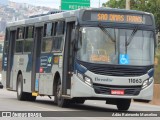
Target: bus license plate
[117, 92]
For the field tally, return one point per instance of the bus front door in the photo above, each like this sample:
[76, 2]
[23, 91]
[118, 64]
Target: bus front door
[68, 61]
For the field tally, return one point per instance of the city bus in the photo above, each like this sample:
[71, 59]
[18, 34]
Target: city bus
[86, 54]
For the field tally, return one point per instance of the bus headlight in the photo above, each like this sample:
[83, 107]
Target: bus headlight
[88, 80]
[147, 83]
[85, 79]
[80, 75]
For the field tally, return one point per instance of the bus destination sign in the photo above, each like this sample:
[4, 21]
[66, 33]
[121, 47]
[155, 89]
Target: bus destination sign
[117, 17]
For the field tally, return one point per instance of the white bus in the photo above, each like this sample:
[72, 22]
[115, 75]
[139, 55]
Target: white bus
[87, 54]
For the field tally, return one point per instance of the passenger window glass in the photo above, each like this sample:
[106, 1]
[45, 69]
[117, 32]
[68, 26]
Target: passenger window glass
[29, 32]
[5, 47]
[47, 45]
[60, 26]
[57, 43]
[48, 29]
[28, 45]
[19, 46]
[6, 41]
[20, 33]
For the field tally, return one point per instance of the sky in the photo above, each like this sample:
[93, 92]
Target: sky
[55, 3]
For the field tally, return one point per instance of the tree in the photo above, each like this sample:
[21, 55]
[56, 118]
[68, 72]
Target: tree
[152, 6]
[115, 4]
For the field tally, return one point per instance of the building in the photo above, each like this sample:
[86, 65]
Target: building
[1, 44]
[2, 26]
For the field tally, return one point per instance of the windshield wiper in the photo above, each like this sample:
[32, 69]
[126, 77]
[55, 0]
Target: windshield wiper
[107, 33]
[131, 36]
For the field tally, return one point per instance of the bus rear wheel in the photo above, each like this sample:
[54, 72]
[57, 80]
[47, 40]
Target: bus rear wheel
[23, 95]
[20, 94]
[123, 104]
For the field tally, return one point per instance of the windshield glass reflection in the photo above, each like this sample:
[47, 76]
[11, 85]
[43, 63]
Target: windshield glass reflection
[113, 46]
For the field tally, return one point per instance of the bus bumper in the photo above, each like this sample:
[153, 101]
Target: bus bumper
[81, 89]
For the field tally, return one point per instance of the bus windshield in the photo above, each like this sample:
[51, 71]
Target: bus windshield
[116, 46]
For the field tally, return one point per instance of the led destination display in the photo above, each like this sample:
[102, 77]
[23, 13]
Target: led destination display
[117, 17]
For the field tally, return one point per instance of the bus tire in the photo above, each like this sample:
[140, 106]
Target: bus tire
[30, 97]
[23, 95]
[79, 101]
[61, 102]
[20, 94]
[123, 104]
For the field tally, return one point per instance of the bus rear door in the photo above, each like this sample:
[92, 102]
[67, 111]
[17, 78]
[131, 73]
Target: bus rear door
[10, 55]
[36, 56]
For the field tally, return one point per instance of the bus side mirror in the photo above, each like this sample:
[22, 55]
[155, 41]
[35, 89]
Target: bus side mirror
[78, 43]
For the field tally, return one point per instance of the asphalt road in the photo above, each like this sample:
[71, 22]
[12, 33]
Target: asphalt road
[9, 102]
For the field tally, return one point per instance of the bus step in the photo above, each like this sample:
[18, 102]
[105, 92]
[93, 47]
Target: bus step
[34, 93]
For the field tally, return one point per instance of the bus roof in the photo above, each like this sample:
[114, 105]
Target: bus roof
[71, 13]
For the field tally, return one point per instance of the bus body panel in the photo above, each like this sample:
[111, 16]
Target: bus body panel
[81, 89]
[46, 80]
[45, 84]
[117, 80]
[22, 63]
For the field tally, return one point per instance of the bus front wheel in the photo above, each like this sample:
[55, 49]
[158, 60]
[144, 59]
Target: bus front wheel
[79, 101]
[123, 104]
[61, 102]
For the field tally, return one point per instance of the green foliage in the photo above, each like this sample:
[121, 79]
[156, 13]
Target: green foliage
[157, 68]
[115, 4]
[152, 6]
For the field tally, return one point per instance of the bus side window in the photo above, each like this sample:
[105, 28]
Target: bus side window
[19, 40]
[28, 42]
[47, 37]
[29, 32]
[57, 44]
[58, 36]
[19, 46]
[47, 44]
[6, 42]
[48, 29]
[60, 26]
[20, 33]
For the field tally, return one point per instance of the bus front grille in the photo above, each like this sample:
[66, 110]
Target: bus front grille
[106, 89]
[116, 70]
